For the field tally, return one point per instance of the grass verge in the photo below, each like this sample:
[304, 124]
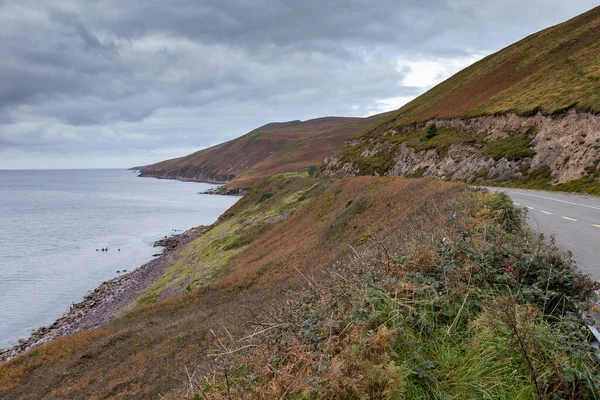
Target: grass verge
[474, 307]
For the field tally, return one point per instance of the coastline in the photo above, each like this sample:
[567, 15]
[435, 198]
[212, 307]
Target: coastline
[108, 299]
[220, 190]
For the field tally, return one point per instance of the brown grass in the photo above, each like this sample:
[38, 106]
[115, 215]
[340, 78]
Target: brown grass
[146, 352]
[268, 150]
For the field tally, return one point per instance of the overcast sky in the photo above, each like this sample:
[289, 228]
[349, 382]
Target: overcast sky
[118, 83]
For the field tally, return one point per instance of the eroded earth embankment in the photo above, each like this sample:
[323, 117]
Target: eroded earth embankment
[539, 150]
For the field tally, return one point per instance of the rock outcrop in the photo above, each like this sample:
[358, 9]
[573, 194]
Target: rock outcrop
[566, 146]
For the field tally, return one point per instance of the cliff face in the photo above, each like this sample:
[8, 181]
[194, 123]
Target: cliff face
[490, 148]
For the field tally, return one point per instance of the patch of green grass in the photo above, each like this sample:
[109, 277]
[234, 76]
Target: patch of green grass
[264, 196]
[513, 148]
[585, 185]
[441, 141]
[294, 174]
[247, 236]
[418, 173]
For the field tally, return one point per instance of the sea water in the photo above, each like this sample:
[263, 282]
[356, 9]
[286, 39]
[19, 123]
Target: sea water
[52, 222]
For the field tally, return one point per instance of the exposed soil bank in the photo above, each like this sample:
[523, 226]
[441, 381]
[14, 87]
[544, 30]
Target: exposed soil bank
[108, 299]
[479, 148]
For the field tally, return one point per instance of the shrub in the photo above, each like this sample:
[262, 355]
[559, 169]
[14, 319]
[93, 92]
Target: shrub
[504, 211]
[441, 141]
[513, 148]
[584, 185]
[312, 170]
[539, 178]
[264, 196]
[432, 131]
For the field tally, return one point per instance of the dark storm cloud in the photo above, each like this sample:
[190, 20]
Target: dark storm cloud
[128, 78]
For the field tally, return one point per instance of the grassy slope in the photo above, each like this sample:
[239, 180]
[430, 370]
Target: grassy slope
[552, 70]
[144, 352]
[271, 149]
[314, 225]
[303, 153]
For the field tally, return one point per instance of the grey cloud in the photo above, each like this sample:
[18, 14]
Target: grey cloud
[82, 76]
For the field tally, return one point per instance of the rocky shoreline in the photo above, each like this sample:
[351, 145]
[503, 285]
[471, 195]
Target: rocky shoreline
[224, 191]
[103, 304]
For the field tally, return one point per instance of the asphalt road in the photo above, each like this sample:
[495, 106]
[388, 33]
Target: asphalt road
[574, 219]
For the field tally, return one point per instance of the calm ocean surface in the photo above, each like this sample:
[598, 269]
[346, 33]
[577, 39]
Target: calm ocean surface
[52, 222]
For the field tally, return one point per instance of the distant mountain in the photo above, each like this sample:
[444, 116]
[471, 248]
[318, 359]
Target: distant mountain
[270, 149]
[526, 115]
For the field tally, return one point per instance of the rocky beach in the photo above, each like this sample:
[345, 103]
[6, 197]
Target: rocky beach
[111, 297]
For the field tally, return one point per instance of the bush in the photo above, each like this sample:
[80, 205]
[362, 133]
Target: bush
[504, 211]
[432, 131]
[513, 148]
[264, 196]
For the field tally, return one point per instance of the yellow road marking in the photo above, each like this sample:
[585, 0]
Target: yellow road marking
[570, 219]
[546, 212]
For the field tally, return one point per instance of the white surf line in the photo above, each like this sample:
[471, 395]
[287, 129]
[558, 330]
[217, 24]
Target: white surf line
[570, 219]
[559, 201]
[545, 212]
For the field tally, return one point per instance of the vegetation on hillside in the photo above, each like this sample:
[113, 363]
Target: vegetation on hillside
[541, 179]
[382, 159]
[212, 254]
[550, 71]
[363, 286]
[488, 113]
[266, 151]
[473, 307]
